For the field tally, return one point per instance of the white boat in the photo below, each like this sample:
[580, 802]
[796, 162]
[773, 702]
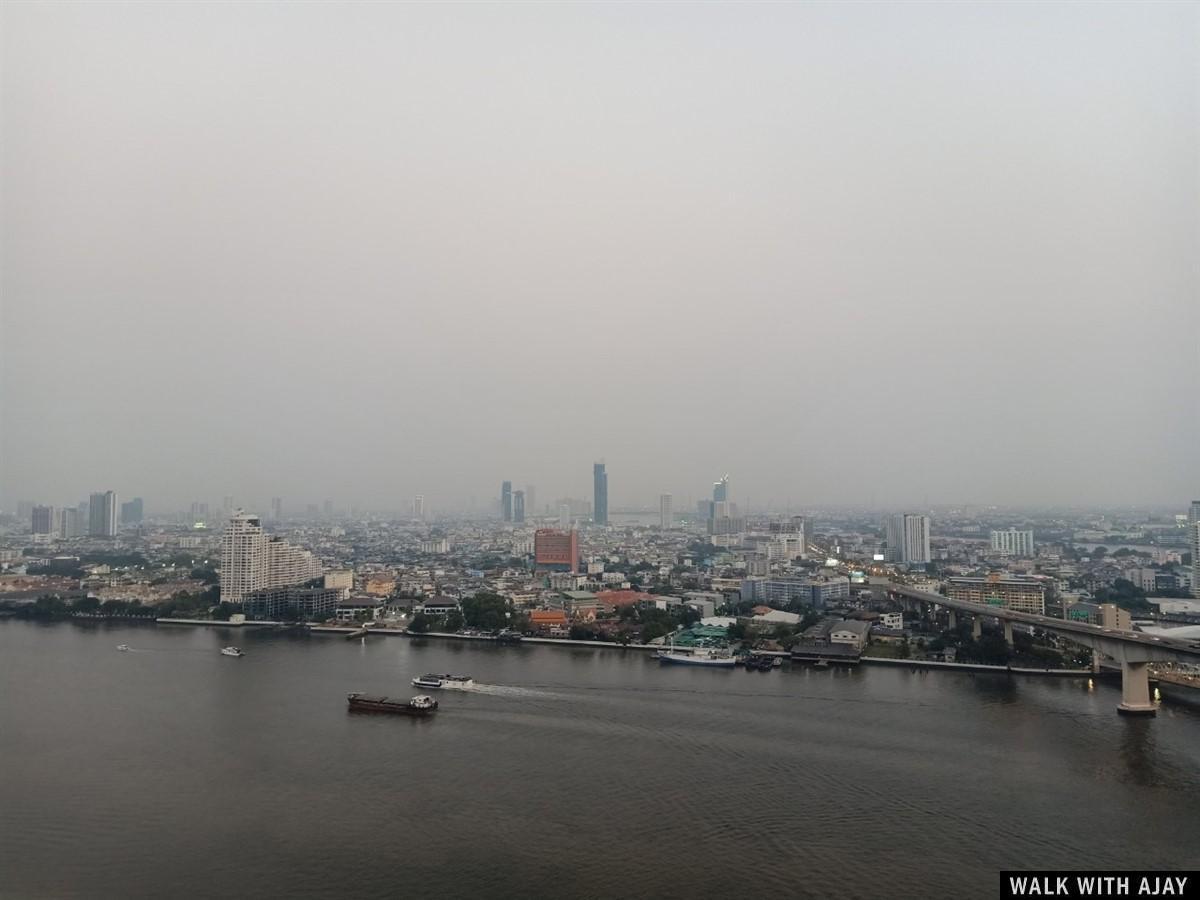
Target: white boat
[232, 651]
[445, 682]
[122, 646]
[697, 656]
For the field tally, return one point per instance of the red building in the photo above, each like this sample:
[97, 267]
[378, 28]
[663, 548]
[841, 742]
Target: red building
[556, 551]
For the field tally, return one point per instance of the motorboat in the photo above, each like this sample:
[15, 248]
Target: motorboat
[445, 682]
[123, 647]
[232, 651]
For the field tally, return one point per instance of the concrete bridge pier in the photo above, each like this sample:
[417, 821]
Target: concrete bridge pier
[1008, 638]
[1135, 691]
[976, 628]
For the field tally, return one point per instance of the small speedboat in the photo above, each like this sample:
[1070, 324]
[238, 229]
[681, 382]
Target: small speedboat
[445, 682]
[122, 647]
[232, 651]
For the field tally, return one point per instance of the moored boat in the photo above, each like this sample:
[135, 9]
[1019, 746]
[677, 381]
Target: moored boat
[699, 656]
[420, 705]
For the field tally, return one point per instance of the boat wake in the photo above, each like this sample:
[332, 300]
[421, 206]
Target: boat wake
[505, 690]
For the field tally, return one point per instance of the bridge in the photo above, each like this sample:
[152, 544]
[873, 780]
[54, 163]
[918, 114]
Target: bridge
[1132, 649]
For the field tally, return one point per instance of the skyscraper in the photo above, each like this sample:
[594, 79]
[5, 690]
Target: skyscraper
[42, 520]
[907, 537]
[599, 494]
[276, 508]
[1194, 512]
[518, 506]
[506, 501]
[419, 506]
[721, 489]
[102, 514]
[531, 499]
[564, 516]
[665, 516]
[68, 522]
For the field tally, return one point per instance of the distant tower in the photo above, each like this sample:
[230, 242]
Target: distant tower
[227, 506]
[102, 514]
[328, 508]
[564, 516]
[419, 506]
[599, 494]
[43, 520]
[276, 508]
[531, 499]
[665, 519]
[506, 505]
[518, 506]
[132, 512]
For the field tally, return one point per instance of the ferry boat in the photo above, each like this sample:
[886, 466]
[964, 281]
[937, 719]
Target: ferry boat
[509, 637]
[420, 705]
[447, 682]
[232, 651]
[698, 656]
[122, 647]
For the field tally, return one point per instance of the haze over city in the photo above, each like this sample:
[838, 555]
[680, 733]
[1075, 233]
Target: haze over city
[858, 254]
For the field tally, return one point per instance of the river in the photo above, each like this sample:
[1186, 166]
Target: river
[173, 771]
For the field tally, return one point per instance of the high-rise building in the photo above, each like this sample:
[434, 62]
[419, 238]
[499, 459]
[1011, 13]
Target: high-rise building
[721, 489]
[328, 508]
[564, 516]
[132, 512]
[518, 506]
[599, 494]
[1196, 558]
[1194, 512]
[102, 514]
[506, 506]
[1013, 542]
[68, 523]
[42, 519]
[907, 537]
[531, 500]
[252, 562]
[556, 551]
[227, 505]
[665, 517]
[276, 508]
[25, 509]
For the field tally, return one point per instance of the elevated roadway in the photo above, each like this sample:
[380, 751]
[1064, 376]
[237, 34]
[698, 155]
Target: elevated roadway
[1132, 649]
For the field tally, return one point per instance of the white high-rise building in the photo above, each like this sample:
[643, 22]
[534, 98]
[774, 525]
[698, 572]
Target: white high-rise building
[1196, 558]
[102, 514]
[419, 506]
[907, 538]
[1013, 542]
[564, 516]
[250, 561]
[666, 517]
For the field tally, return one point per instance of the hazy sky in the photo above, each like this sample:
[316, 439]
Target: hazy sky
[845, 252]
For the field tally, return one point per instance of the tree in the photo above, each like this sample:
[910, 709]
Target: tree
[419, 624]
[486, 611]
[454, 622]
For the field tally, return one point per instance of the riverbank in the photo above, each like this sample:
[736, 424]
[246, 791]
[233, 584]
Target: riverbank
[978, 667]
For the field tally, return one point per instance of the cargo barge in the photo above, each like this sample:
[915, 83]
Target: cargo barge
[420, 705]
